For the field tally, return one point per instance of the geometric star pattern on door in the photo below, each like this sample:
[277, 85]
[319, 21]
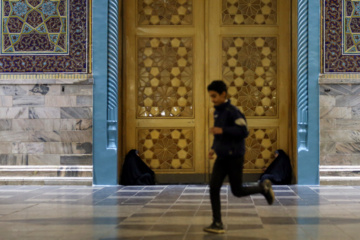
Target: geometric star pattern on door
[165, 77]
[248, 12]
[260, 147]
[165, 149]
[34, 26]
[249, 69]
[165, 12]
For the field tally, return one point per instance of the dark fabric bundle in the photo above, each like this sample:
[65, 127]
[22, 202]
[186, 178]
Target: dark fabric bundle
[135, 171]
[279, 171]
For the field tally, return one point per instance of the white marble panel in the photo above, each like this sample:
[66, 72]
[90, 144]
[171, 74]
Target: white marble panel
[327, 101]
[67, 124]
[5, 124]
[46, 112]
[6, 101]
[335, 112]
[67, 148]
[33, 124]
[60, 101]
[77, 89]
[84, 101]
[76, 112]
[54, 90]
[14, 90]
[44, 159]
[14, 136]
[14, 112]
[20, 101]
[76, 136]
[43, 136]
[5, 147]
[28, 148]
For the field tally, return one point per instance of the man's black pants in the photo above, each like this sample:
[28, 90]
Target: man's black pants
[233, 167]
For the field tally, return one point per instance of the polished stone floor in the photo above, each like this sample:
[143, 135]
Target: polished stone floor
[172, 212]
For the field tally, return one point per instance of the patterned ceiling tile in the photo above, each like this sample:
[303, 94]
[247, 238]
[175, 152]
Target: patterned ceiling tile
[165, 12]
[166, 149]
[341, 36]
[165, 77]
[249, 12]
[250, 71]
[44, 36]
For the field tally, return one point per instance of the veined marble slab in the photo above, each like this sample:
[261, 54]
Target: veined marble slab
[60, 101]
[44, 112]
[76, 112]
[14, 112]
[20, 101]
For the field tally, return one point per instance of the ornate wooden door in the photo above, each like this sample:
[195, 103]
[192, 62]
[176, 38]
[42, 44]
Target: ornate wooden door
[250, 49]
[174, 48]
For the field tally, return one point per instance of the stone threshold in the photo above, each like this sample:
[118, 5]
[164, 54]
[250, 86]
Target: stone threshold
[340, 175]
[339, 168]
[87, 181]
[46, 175]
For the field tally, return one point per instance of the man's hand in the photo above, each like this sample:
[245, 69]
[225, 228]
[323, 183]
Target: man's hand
[211, 154]
[216, 130]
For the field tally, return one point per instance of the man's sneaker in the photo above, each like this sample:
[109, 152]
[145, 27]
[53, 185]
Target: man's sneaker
[215, 227]
[268, 192]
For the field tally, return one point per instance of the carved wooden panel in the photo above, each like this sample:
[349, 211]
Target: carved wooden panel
[165, 12]
[167, 148]
[165, 77]
[260, 147]
[250, 71]
[249, 12]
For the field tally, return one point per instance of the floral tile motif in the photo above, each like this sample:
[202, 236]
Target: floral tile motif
[165, 12]
[165, 77]
[351, 31]
[341, 36]
[249, 12]
[260, 147]
[44, 36]
[250, 71]
[167, 149]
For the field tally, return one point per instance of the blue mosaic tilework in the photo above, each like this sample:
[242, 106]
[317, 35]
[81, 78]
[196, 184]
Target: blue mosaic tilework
[28, 23]
[341, 36]
[351, 27]
[44, 36]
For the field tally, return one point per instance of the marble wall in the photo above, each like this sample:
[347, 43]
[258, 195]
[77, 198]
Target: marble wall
[339, 132]
[47, 127]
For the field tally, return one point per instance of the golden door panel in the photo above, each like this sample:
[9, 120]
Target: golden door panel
[167, 149]
[249, 69]
[260, 147]
[165, 77]
[248, 12]
[165, 12]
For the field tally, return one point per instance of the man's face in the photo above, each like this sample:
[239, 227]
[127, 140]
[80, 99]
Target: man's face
[216, 98]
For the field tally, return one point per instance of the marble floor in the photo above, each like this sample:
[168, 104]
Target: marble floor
[173, 212]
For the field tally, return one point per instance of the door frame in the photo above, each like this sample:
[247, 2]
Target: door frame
[293, 120]
[294, 154]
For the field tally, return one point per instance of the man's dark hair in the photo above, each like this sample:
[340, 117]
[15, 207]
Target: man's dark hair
[218, 86]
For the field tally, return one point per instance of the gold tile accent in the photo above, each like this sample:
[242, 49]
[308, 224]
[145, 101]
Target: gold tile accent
[250, 70]
[165, 149]
[249, 12]
[165, 12]
[165, 77]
